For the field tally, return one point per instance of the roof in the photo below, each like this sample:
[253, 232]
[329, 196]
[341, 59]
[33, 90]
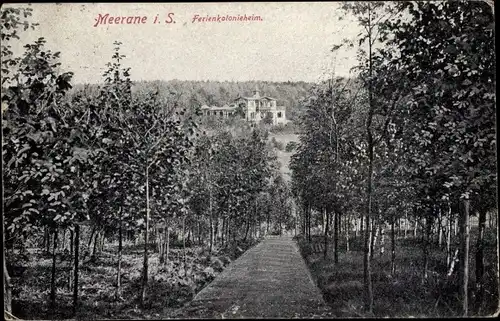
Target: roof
[255, 98]
[225, 107]
[280, 108]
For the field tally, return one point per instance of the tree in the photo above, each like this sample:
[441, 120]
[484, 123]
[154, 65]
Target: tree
[37, 172]
[453, 88]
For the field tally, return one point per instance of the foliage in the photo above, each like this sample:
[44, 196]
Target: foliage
[192, 94]
[416, 132]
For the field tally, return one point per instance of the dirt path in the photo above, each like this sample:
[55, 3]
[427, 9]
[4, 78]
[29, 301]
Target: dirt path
[269, 280]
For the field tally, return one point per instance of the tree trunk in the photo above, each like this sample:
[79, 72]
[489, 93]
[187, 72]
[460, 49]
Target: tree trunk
[382, 238]
[453, 262]
[198, 233]
[406, 223]
[184, 238]
[227, 231]
[75, 278]
[146, 241]
[247, 229]
[448, 236]
[339, 224]
[361, 226]
[53, 277]
[440, 228]
[426, 244]
[119, 268]
[268, 221]
[355, 228]
[323, 220]
[218, 229]
[309, 223]
[348, 220]
[103, 240]
[336, 221]
[367, 273]
[279, 222]
[63, 243]
[327, 221]
[223, 228]
[464, 259]
[497, 247]
[480, 259]
[168, 244]
[211, 236]
[367, 278]
[393, 250]
[375, 231]
[398, 231]
[94, 250]
[7, 283]
[259, 226]
[71, 251]
[91, 238]
[46, 239]
[233, 231]
[304, 221]
[161, 245]
[157, 240]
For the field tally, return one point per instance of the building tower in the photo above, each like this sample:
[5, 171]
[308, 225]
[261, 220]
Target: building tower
[256, 92]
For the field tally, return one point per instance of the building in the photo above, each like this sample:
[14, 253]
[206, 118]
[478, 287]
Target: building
[252, 109]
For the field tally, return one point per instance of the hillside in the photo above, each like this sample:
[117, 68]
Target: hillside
[197, 93]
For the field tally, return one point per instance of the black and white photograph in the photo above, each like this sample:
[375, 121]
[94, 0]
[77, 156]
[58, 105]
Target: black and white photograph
[228, 160]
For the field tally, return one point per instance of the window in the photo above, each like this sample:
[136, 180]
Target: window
[279, 115]
[252, 115]
[221, 114]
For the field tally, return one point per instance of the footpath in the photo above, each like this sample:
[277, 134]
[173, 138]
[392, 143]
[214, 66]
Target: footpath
[270, 280]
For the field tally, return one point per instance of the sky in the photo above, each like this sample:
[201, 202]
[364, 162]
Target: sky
[291, 42]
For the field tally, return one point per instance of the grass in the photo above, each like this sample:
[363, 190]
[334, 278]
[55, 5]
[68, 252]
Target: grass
[403, 294]
[171, 285]
[283, 156]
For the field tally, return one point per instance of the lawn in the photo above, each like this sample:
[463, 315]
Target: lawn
[171, 285]
[403, 294]
[283, 156]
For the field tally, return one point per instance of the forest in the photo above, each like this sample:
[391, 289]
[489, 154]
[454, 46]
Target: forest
[407, 149]
[119, 200]
[194, 94]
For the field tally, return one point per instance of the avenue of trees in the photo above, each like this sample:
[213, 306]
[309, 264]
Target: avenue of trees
[409, 144]
[126, 163]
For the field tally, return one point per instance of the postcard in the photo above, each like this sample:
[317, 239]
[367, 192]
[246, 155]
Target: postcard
[249, 160]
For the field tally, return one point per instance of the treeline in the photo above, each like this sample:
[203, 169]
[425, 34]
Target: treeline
[413, 145]
[219, 93]
[123, 163]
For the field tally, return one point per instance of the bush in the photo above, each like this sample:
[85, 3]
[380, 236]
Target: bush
[278, 145]
[291, 146]
[288, 128]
